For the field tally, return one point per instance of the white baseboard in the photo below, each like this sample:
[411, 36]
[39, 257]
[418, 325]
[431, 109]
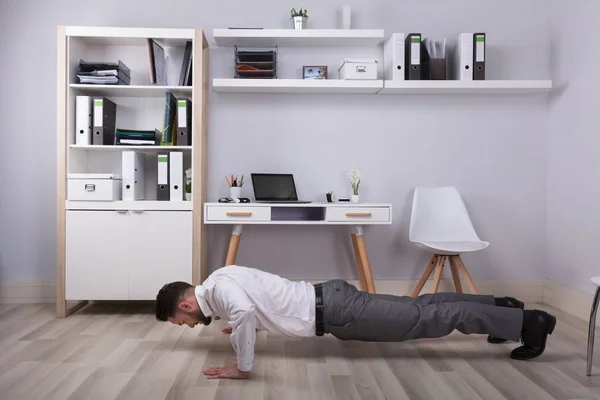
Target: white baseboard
[569, 300]
[27, 291]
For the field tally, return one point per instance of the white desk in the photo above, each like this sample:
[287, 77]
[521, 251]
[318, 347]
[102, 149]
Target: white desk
[354, 215]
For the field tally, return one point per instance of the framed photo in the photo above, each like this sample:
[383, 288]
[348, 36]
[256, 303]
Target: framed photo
[314, 72]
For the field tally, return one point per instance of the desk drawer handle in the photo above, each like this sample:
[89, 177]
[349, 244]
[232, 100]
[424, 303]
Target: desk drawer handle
[358, 214]
[239, 214]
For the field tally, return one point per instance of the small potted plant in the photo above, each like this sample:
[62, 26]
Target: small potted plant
[188, 184]
[355, 177]
[300, 18]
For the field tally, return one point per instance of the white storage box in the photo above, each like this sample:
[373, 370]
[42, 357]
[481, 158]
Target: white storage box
[94, 187]
[362, 69]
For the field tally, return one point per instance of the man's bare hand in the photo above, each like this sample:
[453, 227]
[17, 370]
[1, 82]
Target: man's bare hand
[227, 331]
[225, 373]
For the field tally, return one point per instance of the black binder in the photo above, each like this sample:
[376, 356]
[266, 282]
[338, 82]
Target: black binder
[479, 56]
[412, 52]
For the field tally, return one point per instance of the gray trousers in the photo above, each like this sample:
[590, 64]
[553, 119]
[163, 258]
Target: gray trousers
[350, 314]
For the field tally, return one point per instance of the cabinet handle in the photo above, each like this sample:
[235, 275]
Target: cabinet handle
[122, 211]
[138, 211]
[358, 214]
[239, 214]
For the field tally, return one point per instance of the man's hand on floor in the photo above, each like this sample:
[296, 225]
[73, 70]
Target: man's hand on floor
[225, 373]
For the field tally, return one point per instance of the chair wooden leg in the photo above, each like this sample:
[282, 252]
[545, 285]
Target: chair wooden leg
[426, 275]
[463, 270]
[364, 260]
[455, 274]
[361, 272]
[591, 332]
[438, 273]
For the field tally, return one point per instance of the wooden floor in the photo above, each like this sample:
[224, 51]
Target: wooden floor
[119, 351]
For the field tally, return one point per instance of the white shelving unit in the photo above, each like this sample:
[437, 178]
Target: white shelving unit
[146, 91]
[465, 87]
[296, 86]
[298, 38]
[111, 250]
[145, 149]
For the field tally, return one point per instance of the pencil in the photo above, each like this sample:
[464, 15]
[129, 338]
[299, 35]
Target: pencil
[227, 179]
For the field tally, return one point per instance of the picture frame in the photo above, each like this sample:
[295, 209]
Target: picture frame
[317, 72]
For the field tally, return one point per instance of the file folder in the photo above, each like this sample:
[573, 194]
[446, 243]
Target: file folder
[162, 187]
[464, 57]
[412, 50]
[479, 61]
[105, 121]
[184, 122]
[176, 176]
[83, 120]
[134, 186]
[393, 55]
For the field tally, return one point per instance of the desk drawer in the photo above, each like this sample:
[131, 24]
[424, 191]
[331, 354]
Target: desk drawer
[358, 214]
[238, 214]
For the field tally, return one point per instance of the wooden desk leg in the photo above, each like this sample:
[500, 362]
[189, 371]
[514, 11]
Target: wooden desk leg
[234, 243]
[363, 282]
[364, 258]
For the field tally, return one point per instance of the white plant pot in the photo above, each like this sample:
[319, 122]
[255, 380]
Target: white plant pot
[188, 196]
[235, 192]
[354, 198]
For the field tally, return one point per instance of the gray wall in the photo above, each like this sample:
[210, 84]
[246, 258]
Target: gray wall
[574, 145]
[491, 148]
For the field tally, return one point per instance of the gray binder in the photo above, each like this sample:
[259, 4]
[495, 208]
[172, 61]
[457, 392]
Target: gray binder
[479, 56]
[184, 122]
[105, 121]
[163, 184]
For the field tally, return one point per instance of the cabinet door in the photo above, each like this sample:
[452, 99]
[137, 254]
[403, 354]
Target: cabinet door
[161, 251]
[97, 255]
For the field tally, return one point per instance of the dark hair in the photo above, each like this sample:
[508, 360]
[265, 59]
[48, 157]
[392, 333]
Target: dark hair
[168, 298]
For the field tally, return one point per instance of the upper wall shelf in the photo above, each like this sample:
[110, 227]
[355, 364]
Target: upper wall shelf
[466, 87]
[298, 38]
[297, 86]
[108, 36]
[131, 90]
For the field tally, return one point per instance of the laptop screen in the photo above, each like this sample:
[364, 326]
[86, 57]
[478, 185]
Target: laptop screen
[274, 187]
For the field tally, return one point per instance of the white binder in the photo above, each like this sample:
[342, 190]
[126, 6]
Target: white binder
[134, 186]
[83, 120]
[393, 57]
[177, 188]
[464, 57]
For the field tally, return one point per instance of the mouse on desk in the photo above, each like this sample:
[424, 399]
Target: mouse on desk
[244, 200]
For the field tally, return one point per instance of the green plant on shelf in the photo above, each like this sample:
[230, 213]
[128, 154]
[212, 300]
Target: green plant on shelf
[355, 177]
[301, 13]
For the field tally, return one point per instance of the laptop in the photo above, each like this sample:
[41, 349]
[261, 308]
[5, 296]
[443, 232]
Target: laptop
[275, 188]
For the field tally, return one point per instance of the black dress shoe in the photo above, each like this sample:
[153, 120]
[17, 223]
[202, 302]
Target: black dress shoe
[508, 302]
[537, 325]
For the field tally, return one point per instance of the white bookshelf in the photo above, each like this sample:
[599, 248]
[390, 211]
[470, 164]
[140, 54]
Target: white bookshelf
[127, 232]
[515, 87]
[296, 86]
[134, 206]
[298, 38]
[147, 91]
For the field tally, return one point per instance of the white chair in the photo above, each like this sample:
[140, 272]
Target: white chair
[592, 326]
[440, 223]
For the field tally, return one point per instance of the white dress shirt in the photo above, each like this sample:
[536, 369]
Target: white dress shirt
[252, 299]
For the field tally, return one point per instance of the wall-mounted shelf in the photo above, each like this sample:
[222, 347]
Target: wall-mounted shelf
[131, 90]
[298, 38]
[296, 86]
[149, 149]
[466, 87]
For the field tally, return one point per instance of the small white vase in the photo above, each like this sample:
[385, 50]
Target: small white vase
[188, 196]
[235, 192]
[354, 198]
[346, 17]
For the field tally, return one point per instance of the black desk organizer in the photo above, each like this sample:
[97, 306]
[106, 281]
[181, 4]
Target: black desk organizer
[255, 64]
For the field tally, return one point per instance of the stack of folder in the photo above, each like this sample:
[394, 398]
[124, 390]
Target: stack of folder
[131, 137]
[104, 73]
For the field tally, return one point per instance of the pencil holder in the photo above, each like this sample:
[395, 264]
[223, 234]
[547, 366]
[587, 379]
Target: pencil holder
[235, 192]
